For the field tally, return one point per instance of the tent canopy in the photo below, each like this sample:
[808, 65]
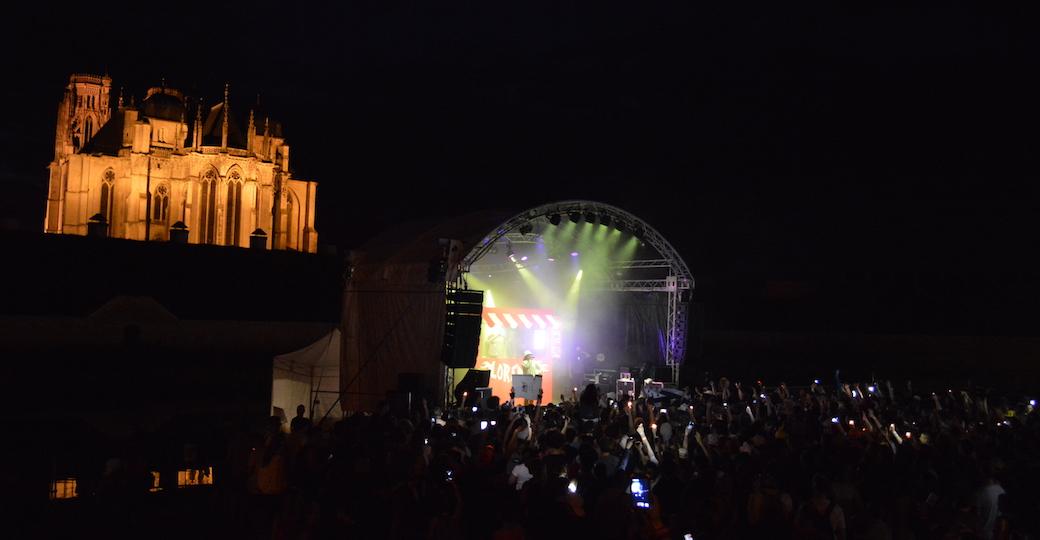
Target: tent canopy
[308, 377]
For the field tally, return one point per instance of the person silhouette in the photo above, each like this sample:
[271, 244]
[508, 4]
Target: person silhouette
[300, 422]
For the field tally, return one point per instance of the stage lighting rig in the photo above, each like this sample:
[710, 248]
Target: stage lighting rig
[590, 218]
[605, 221]
[574, 216]
[639, 232]
[526, 228]
[554, 219]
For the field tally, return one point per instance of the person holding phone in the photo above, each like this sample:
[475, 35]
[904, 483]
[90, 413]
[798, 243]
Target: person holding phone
[648, 510]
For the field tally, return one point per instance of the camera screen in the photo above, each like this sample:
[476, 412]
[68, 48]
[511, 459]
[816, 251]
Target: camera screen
[640, 494]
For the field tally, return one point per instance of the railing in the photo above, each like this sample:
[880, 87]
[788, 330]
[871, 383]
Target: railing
[87, 78]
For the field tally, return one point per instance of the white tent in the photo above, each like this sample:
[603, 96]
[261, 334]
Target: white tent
[309, 376]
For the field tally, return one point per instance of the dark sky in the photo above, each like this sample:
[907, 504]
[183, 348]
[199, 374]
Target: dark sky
[788, 136]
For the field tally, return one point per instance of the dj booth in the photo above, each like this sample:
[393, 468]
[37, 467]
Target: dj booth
[621, 381]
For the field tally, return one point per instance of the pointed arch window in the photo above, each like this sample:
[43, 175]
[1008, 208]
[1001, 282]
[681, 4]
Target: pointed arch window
[88, 130]
[290, 222]
[107, 190]
[208, 208]
[233, 210]
[160, 204]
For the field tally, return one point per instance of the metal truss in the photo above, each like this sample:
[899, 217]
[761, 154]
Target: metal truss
[675, 285]
[649, 263]
[668, 284]
[677, 310]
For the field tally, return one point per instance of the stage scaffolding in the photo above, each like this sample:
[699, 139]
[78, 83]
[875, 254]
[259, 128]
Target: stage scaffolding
[675, 281]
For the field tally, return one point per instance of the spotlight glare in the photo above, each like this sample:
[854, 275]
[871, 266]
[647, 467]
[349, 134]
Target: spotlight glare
[524, 258]
[574, 254]
[551, 259]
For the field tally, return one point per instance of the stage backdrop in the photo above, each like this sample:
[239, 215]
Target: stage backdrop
[507, 334]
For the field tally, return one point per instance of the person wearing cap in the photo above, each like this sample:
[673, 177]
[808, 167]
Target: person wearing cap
[529, 365]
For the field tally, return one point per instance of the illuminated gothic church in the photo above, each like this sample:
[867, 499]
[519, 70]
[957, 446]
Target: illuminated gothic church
[169, 169]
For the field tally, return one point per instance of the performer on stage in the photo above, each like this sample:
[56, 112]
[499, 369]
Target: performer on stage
[529, 365]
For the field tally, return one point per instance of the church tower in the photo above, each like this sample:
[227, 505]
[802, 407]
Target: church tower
[82, 112]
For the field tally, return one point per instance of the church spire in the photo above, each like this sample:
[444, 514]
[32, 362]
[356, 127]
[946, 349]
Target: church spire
[251, 134]
[224, 127]
[120, 101]
[182, 136]
[267, 138]
[197, 132]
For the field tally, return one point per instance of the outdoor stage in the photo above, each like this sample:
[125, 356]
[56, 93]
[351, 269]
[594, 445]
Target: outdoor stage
[581, 286]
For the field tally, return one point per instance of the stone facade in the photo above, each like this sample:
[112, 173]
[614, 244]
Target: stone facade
[146, 170]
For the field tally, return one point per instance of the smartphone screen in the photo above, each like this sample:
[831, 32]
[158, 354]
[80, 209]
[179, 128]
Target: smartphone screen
[640, 493]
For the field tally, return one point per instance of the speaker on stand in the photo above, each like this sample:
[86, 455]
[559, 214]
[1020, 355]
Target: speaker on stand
[462, 321]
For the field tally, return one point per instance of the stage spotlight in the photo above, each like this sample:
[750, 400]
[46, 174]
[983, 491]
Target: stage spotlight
[526, 228]
[620, 226]
[524, 258]
[511, 255]
[639, 232]
[605, 221]
[554, 219]
[590, 218]
[574, 216]
[574, 254]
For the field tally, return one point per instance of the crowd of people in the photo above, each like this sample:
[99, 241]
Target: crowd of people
[728, 460]
[724, 460]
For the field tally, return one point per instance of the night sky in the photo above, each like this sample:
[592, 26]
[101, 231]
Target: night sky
[803, 137]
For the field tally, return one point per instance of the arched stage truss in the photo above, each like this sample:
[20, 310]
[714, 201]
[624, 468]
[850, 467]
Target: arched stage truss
[675, 279]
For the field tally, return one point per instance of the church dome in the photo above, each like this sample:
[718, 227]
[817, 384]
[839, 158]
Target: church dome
[164, 103]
